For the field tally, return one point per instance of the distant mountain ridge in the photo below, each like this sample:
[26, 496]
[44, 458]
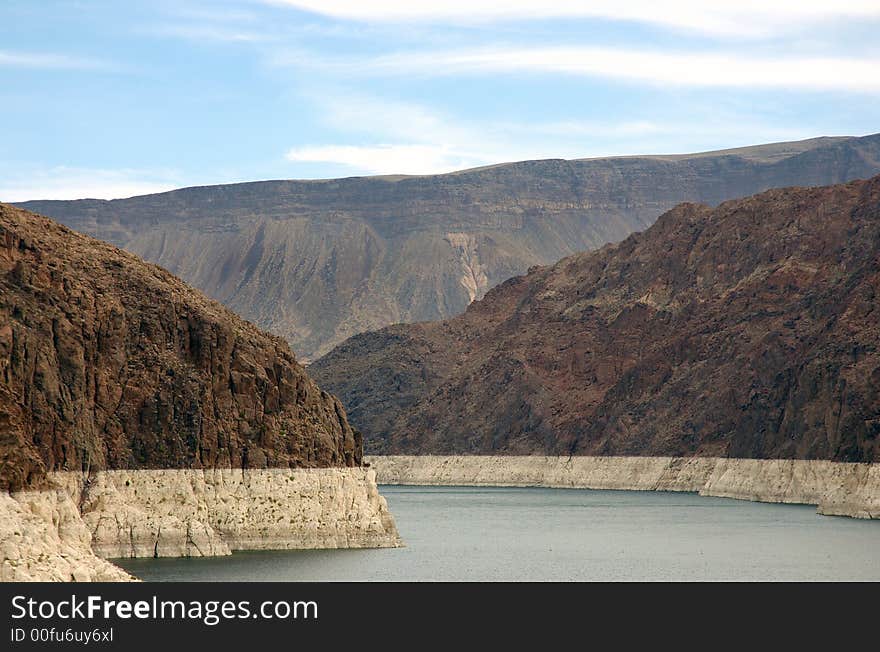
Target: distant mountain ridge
[319, 261]
[749, 330]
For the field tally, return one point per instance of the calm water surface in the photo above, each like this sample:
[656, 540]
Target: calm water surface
[499, 534]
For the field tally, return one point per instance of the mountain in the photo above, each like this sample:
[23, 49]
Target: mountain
[108, 362]
[748, 330]
[318, 261]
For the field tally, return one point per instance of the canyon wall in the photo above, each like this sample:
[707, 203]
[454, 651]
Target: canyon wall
[64, 532]
[108, 362]
[750, 330]
[190, 513]
[837, 488]
[140, 418]
[43, 539]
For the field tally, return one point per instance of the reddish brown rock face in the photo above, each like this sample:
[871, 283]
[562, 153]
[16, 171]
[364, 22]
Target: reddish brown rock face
[750, 330]
[109, 362]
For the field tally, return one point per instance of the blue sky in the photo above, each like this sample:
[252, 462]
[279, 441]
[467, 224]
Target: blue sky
[111, 99]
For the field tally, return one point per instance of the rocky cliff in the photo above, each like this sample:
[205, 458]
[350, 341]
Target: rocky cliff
[139, 418]
[61, 533]
[750, 330]
[107, 362]
[43, 539]
[319, 261]
[201, 513]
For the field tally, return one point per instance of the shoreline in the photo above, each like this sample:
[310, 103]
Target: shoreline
[836, 488]
[67, 532]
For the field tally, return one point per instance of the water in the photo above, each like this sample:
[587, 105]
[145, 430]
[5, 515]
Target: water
[499, 534]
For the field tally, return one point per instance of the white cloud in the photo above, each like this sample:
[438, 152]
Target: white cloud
[571, 128]
[212, 12]
[208, 33]
[44, 60]
[82, 183]
[404, 138]
[397, 121]
[699, 69]
[726, 17]
[389, 119]
[389, 159]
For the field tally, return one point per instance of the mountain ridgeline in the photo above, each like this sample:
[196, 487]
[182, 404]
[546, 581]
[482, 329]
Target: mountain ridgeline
[318, 261]
[108, 362]
[747, 330]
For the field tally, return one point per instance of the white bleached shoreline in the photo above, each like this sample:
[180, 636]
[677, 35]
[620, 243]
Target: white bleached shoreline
[836, 488]
[65, 532]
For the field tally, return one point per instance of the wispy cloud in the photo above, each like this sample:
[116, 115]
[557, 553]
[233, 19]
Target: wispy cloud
[389, 159]
[52, 61]
[393, 137]
[721, 17]
[211, 33]
[591, 128]
[390, 119]
[63, 182]
[213, 12]
[684, 69]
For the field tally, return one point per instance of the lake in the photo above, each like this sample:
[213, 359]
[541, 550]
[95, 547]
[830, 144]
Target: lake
[533, 534]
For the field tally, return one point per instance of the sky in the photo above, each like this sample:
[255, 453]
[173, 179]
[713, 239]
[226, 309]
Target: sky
[107, 99]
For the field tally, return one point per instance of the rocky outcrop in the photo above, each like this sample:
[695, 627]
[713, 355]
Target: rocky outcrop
[319, 261]
[195, 513]
[839, 489]
[748, 331]
[65, 532]
[43, 539]
[107, 362]
[139, 418]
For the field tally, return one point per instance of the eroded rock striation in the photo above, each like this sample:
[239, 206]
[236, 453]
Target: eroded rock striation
[750, 330]
[319, 261]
